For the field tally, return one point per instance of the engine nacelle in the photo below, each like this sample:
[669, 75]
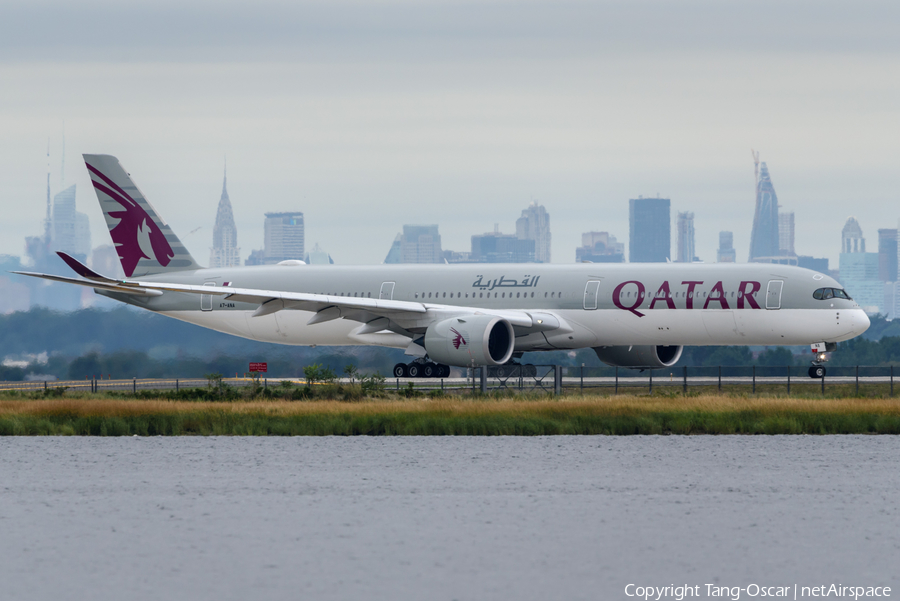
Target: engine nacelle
[639, 357]
[472, 340]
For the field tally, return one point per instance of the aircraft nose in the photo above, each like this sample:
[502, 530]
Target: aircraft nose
[860, 321]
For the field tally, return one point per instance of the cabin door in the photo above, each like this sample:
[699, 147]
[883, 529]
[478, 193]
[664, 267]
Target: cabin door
[387, 291]
[773, 294]
[206, 299]
[590, 295]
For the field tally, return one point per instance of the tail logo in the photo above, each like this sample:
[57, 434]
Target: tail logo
[136, 235]
[458, 340]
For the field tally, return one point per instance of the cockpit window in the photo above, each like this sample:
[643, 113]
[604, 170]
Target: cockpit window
[826, 293]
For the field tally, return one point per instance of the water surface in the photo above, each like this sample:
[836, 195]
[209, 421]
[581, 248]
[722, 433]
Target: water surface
[441, 517]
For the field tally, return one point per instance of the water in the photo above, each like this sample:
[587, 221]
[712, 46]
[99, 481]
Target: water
[442, 518]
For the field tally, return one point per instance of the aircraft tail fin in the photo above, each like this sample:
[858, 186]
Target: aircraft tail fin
[144, 242]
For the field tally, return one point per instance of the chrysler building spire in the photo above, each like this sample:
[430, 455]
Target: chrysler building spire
[225, 251]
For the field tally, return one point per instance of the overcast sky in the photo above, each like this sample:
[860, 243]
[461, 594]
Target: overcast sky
[368, 115]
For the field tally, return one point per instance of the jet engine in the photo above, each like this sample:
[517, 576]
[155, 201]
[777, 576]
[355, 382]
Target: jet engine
[472, 340]
[639, 357]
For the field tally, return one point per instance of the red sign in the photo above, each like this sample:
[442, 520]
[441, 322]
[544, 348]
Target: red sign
[264, 367]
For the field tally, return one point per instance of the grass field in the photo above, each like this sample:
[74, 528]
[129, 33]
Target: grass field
[664, 413]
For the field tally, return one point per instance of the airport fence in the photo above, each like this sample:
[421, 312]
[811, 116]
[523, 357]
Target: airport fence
[554, 379]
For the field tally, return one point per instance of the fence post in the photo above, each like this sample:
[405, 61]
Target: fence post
[483, 370]
[651, 380]
[134, 386]
[685, 379]
[823, 384]
[789, 379]
[617, 379]
[176, 384]
[557, 379]
[720, 378]
[754, 379]
[582, 379]
[857, 380]
[892, 380]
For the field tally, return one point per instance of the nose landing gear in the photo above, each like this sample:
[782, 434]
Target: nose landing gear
[817, 370]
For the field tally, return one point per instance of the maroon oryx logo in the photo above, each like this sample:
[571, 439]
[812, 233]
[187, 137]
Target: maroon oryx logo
[458, 340]
[136, 235]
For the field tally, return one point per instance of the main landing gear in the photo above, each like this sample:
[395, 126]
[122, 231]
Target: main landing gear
[425, 369]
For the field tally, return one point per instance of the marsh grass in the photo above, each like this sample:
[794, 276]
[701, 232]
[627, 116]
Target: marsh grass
[664, 413]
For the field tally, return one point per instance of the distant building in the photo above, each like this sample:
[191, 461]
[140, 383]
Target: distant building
[859, 270]
[225, 251]
[684, 225]
[600, 247]
[764, 239]
[283, 237]
[649, 230]
[15, 294]
[317, 256]
[786, 234]
[257, 257]
[820, 265]
[887, 255]
[852, 240]
[495, 247]
[417, 244]
[534, 224]
[726, 252]
[71, 229]
[105, 260]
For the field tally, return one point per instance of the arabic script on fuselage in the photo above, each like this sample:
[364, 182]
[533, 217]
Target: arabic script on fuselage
[504, 282]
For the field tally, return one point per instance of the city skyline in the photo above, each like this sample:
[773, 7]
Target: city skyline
[390, 113]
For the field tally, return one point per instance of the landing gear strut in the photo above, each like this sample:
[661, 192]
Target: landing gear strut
[423, 369]
[817, 370]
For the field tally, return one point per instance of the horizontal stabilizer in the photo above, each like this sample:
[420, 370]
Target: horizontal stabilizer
[114, 287]
[83, 270]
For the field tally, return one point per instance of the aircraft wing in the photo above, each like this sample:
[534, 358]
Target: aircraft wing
[358, 309]
[405, 317]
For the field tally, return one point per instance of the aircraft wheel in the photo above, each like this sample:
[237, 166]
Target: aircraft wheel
[445, 371]
[400, 370]
[429, 370]
[817, 371]
[502, 371]
[414, 370]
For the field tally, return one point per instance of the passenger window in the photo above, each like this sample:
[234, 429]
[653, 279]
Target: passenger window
[829, 293]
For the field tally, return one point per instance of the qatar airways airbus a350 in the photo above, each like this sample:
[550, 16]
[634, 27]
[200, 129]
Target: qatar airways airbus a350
[632, 315]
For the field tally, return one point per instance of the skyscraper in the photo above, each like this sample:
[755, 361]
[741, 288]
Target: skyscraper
[649, 230]
[224, 251]
[764, 239]
[887, 255]
[534, 224]
[726, 252]
[600, 247]
[852, 240]
[417, 244]
[495, 247]
[685, 228]
[71, 229]
[786, 234]
[283, 237]
[859, 270]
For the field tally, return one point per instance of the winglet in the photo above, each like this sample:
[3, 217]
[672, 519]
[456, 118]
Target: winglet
[82, 269]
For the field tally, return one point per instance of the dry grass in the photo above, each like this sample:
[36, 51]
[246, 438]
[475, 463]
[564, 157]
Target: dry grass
[455, 406]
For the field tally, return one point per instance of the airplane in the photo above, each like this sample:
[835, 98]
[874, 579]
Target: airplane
[634, 315]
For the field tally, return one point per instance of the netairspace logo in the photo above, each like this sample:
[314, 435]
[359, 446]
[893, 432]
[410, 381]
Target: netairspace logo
[793, 591]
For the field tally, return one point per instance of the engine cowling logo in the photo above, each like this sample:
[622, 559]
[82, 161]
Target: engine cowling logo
[460, 339]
